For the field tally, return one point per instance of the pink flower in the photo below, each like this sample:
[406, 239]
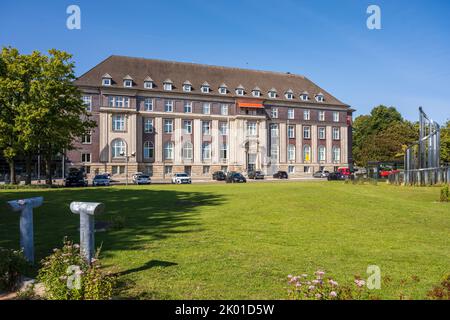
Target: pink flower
[311, 287]
[318, 296]
[304, 275]
[290, 276]
[298, 284]
[333, 283]
[333, 294]
[360, 283]
[315, 281]
[319, 273]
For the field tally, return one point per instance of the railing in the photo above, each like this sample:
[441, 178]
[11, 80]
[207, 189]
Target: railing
[421, 177]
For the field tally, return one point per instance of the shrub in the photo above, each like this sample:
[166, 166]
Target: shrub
[444, 193]
[12, 266]
[442, 291]
[319, 287]
[67, 276]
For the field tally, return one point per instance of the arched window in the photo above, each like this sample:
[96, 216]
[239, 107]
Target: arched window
[291, 152]
[118, 148]
[307, 153]
[321, 153]
[187, 150]
[168, 150]
[149, 150]
[336, 154]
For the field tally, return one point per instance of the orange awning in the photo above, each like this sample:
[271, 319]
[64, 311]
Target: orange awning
[250, 104]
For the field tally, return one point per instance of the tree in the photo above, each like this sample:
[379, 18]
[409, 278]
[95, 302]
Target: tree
[41, 109]
[445, 143]
[381, 136]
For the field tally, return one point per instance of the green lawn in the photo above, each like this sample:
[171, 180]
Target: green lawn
[217, 241]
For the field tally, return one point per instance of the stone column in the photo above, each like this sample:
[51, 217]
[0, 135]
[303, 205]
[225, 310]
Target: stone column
[215, 142]
[177, 149]
[344, 147]
[197, 141]
[26, 206]
[283, 142]
[158, 140]
[314, 144]
[298, 143]
[329, 137]
[87, 210]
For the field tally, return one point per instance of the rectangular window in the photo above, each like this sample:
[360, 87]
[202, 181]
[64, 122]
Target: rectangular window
[187, 126]
[148, 104]
[224, 109]
[148, 170]
[106, 82]
[187, 107]
[118, 122]
[206, 127]
[274, 130]
[186, 88]
[148, 85]
[206, 108]
[128, 83]
[206, 151]
[119, 102]
[306, 115]
[205, 89]
[291, 169]
[251, 129]
[148, 126]
[86, 139]
[168, 106]
[336, 134]
[168, 126]
[223, 90]
[291, 132]
[224, 169]
[223, 128]
[321, 115]
[307, 132]
[291, 113]
[306, 169]
[167, 86]
[223, 151]
[205, 169]
[336, 116]
[86, 157]
[168, 169]
[87, 100]
[274, 113]
[322, 134]
[118, 170]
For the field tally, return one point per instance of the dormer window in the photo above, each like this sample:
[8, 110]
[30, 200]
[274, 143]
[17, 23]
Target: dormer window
[240, 90]
[148, 83]
[187, 86]
[168, 85]
[272, 93]
[106, 80]
[304, 96]
[320, 97]
[222, 90]
[256, 92]
[289, 94]
[127, 81]
[205, 87]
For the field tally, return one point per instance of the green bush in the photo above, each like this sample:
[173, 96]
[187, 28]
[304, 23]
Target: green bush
[67, 276]
[444, 193]
[12, 266]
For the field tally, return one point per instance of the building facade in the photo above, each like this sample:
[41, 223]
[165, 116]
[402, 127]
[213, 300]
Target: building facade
[161, 118]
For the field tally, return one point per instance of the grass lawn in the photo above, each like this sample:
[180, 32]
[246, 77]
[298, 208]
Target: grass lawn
[218, 241]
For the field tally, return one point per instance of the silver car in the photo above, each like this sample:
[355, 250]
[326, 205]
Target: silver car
[142, 179]
[101, 180]
[180, 178]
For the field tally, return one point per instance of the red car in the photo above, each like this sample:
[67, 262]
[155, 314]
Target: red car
[386, 173]
[344, 171]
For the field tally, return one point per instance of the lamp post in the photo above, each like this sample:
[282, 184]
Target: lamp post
[127, 159]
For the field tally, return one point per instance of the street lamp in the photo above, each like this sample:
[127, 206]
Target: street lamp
[127, 158]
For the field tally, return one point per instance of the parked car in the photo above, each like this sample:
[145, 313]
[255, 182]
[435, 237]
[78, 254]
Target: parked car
[75, 179]
[337, 175]
[280, 175]
[219, 176]
[101, 180]
[235, 177]
[256, 175]
[180, 178]
[386, 173]
[321, 174]
[142, 179]
[135, 176]
[345, 171]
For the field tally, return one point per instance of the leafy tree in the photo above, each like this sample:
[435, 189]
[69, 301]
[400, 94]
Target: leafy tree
[445, 143]
[381, 136]
[41, 108]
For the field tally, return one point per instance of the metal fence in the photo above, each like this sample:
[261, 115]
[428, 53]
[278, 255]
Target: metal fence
[421, 177]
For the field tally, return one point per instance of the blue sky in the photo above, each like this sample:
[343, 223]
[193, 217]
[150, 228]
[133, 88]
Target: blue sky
[405, 64]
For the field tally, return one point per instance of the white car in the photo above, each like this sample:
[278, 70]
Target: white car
[180, 178]
[142, 179]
